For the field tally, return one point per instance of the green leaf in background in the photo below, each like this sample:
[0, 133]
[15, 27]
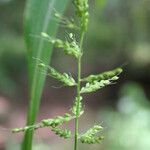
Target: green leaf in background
[130, 121]
[101, 3]
[38, 18]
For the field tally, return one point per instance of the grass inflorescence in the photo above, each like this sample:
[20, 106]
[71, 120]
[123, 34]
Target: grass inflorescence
[93, 83]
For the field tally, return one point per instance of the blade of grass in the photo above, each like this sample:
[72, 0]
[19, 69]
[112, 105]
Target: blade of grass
[38, 18]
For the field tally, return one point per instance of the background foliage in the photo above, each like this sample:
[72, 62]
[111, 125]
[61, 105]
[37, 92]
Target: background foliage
[118, 34]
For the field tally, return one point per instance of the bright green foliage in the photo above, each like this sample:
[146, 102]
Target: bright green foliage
[89, 137]
[64, 78]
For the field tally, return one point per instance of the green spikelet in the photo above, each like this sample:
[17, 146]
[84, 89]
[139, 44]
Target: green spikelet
[93, 87]
[17, 130]
[54, 122]
[69, 48]
[91, 140]
[65, 133]
[96, 82]
[74, 108]
[113, 75]
[72, 49]
[65, 22]
[59, 120]
[82, 12]
[64, 78]
[90, 136]
[24, 129]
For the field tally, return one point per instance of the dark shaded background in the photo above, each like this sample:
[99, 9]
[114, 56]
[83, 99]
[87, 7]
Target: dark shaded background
[118, 35]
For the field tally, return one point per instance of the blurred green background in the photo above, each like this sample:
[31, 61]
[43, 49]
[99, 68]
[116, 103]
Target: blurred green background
[118, 35]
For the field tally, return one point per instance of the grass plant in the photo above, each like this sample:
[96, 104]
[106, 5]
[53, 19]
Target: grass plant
[74, 47]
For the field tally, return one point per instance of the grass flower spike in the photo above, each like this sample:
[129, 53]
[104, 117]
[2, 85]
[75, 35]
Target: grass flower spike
[82, 12]
[90, 136]
[64, 78]
[70, 48]
[74, 48]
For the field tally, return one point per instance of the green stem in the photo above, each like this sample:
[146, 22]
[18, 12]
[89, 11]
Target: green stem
[78, 95]
[81, 40]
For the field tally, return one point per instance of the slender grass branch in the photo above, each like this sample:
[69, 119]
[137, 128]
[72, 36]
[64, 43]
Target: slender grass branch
[78, 95]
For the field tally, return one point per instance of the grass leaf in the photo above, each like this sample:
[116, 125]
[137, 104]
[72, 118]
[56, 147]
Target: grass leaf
[38, 18]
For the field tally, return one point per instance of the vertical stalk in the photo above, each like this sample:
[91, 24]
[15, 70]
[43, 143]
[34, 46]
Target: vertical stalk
[78, 95]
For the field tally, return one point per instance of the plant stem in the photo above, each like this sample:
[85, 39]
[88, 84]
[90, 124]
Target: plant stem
[78, 95]
[81, 40]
